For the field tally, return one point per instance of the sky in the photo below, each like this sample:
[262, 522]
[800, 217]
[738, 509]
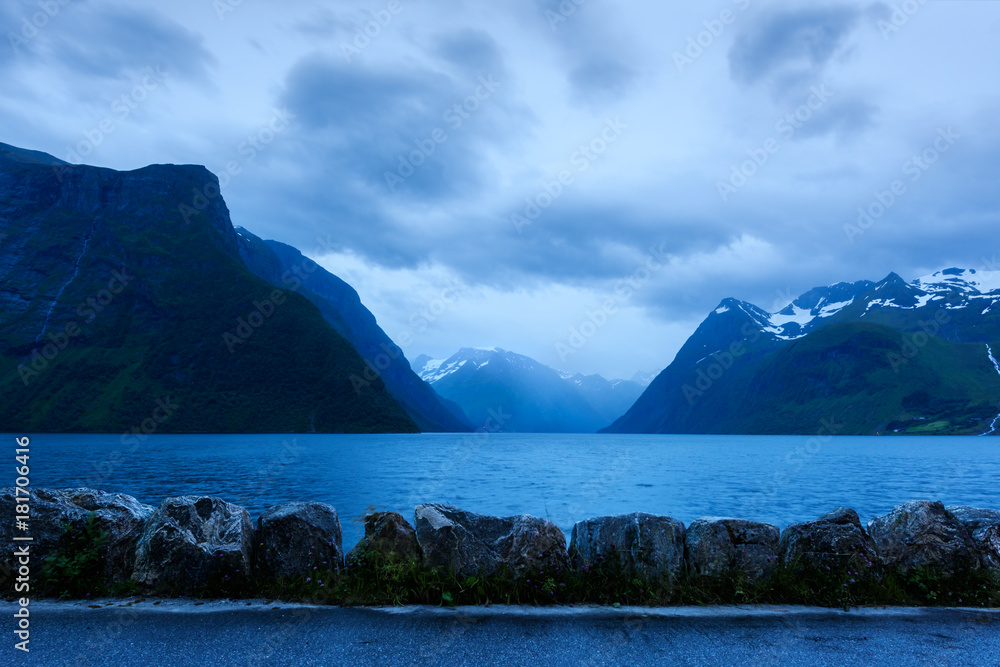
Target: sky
[578, 181]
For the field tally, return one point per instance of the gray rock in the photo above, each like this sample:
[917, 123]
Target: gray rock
[190, 541]
[984, 525]
[923, 534]
[648, 546]
[835, 541]
[716, 547]
[120, 516]
[470, 544]
[388, 537]
[294, 538]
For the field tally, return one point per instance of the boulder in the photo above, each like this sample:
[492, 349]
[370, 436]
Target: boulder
[922, 534]
[388, 537]
[469, 544]
[836, 541]
[120, 516]
[191, 541]
[648, 546]
[715, 547]
[295, 539]
[984, 526]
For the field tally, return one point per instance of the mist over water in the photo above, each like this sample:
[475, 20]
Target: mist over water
[565, 478]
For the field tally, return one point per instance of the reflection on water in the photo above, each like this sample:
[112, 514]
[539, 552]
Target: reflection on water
[564, 478]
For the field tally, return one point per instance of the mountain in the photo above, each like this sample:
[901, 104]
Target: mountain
[494, 386]
[854, 358]
[285, 267]
[610, 399]
[643, 379]
[125, 307]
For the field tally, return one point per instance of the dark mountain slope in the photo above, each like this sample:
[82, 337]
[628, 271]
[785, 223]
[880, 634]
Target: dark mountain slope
[286, 267]
[124, 304]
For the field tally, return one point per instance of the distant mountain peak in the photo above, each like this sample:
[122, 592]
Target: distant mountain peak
[488, 382]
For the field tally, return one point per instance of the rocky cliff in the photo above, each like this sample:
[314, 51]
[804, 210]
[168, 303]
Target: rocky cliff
[125, 306]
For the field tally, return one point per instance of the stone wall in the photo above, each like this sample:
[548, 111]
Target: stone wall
[191, 541]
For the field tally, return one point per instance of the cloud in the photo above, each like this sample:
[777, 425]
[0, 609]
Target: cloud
[371, 122]
[845, 117]
[323, 24]
[786, 47]
[325, 175]
[599, 55]
[473, 51]
[112, 41]
[601, 80]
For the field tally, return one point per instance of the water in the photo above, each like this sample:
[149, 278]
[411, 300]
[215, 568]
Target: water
[564, 478]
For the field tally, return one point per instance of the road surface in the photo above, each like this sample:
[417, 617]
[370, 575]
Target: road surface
[184, 632]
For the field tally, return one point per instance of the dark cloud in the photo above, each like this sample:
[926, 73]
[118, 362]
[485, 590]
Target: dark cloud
[598, 53]
[601, 80]
[115, 42]
[355, 123]
[786, 47]
[371, 122]
[473, 51]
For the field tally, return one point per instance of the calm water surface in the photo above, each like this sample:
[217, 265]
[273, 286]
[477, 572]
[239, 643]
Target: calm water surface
[565, 478]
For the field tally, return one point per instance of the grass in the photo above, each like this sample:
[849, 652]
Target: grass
[76, 568]
[75, 571]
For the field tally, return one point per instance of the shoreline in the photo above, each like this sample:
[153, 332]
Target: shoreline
[194, 605]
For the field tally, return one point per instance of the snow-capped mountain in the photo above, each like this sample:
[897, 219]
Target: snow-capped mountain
[890, 356]
[494, 385]
[953, 289]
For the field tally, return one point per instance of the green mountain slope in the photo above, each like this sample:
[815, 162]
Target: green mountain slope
[125, 306]
[857, 359]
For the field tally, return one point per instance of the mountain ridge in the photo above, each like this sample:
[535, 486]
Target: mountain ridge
[890, 356]
[114, 304]
[535, 397]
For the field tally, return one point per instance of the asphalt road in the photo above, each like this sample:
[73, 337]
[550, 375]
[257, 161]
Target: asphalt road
[178, 633]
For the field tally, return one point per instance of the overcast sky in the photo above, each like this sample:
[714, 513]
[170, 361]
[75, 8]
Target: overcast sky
[626, 165]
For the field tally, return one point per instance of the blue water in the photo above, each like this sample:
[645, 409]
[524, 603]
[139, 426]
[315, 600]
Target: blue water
[565, 478]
